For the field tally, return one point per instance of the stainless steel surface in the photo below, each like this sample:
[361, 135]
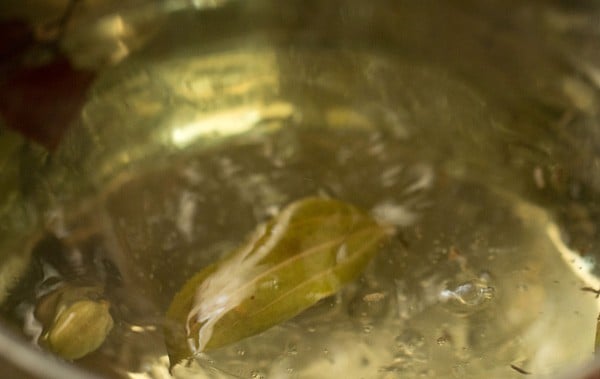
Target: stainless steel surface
[536, 63]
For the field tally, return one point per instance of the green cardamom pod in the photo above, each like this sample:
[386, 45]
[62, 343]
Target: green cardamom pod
[76, 320]
[309, 251]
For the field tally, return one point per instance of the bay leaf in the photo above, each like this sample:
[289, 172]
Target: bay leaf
[309, 251]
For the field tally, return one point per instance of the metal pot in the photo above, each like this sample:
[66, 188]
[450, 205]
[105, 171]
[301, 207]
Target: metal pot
[89, 104]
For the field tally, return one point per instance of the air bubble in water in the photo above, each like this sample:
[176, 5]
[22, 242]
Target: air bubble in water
[469, 296]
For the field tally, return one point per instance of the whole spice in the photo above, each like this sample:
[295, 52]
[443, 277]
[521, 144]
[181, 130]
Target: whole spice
[309, 251]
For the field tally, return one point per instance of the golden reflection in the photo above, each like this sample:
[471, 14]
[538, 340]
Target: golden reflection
[228, 122]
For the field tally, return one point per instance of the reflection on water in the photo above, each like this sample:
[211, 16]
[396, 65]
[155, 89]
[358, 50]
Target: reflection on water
[189, 151]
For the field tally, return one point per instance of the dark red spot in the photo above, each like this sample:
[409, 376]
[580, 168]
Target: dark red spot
[39, 102]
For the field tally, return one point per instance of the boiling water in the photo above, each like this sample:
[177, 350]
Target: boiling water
[477, 282]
